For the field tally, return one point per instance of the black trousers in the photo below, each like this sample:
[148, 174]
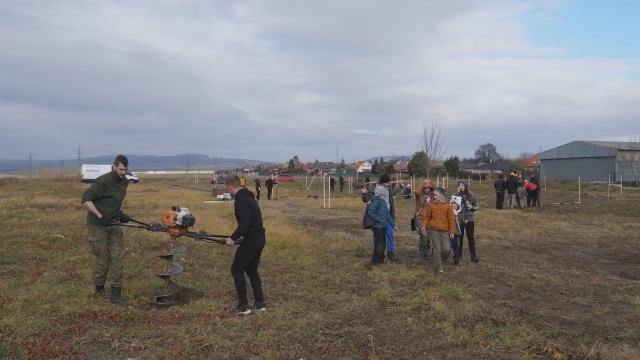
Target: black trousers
[532, 196]
[257, 194]
[246, 260]
[269, 191]
[469, 227]
[499, 199]
[380, 243]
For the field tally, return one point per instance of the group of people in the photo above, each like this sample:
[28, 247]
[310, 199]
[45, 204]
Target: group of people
[103, 201]
[530, 190]
[332, 183]
[439, 222]
[269, 183]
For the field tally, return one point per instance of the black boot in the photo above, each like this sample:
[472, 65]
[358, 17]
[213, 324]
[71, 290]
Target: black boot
[99, 290]
[474, 259]
[116, 297]
[391, 256]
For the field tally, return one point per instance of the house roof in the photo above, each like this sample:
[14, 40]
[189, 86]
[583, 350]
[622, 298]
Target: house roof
[401, 166]
[357, 164]
[530, 163]
[495, 166]
[324, 165]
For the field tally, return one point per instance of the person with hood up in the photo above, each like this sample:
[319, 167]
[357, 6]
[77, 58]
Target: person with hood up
[469, 207]
[456, 204]
[512, 185]
[247, 258]
[368, 193]
[442, 223]
[424, 197]
[380, 214]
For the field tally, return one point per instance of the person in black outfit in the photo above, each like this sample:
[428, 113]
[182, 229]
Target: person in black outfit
[535, 196]
[258, 188]
[248, 254]
[269, 183]
[342, 182]
[500, 185]
[512, 184]
[332, 184]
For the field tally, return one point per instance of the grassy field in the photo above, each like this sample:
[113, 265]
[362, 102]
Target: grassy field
[559, 282]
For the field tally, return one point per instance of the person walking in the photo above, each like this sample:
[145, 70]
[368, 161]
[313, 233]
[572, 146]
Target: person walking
[501, 186]
[342, 182]
[512, 190]
[258, 188]
[103, 201]
[469, 207]
[379, 213]
[368, 193]
[247, 258]
[424, 197]
[332, 184]
[269, 183]
[442, 224]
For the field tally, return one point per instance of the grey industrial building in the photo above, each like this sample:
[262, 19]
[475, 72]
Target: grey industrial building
[592, 161]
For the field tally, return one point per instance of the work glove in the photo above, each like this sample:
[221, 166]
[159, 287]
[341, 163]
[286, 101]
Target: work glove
[124, 218]
[104, 221]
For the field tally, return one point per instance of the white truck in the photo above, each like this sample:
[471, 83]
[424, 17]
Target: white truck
[91, 172]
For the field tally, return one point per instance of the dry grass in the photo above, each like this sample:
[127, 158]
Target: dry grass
[561, 282]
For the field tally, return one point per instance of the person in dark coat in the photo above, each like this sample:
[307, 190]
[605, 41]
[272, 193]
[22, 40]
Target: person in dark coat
[258, 188]
[342, 182]
[536, 199]
[247, 258]
[332, 184]
[269, 183]
[501, 186]
[512, 184]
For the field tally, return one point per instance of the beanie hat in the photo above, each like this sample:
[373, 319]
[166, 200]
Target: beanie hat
[457, 200]
[384, 179]
[439, 191]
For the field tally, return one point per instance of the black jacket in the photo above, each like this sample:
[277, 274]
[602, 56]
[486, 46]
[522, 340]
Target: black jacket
[512, 185]
[535, 181]
[248, 216]
[500, 185]
[269, 183]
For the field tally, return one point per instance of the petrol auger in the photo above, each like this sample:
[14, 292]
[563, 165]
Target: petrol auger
[176, 223]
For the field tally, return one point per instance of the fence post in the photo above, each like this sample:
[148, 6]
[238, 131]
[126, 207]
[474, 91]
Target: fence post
[608, 185]
[579, 201]
[620, 184]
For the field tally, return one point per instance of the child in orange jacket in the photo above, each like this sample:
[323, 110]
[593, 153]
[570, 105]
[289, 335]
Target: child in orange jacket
[443, 226]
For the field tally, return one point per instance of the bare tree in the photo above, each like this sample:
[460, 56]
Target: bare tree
[432, 144]
[526, 155]
[189, 163]
[629, 158]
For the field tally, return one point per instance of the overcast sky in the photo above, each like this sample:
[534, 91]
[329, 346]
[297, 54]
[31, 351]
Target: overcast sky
[267, 80]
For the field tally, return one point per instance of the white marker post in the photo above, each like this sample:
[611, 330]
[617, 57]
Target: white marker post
[608, 185]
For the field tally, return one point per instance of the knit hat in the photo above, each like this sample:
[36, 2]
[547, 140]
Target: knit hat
[380, 191]
[439, 191]
[384, 179]
[457, 200]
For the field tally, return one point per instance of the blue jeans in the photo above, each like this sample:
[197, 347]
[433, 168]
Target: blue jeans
[389, 239]
[455, 245]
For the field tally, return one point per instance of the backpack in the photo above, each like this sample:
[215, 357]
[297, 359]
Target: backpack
[368, 222]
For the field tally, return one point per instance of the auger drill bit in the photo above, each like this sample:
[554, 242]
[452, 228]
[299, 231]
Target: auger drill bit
[170, 288]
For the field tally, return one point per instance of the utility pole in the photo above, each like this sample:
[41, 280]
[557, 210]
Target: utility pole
[79, 158]
[62, 164]
[30, 159]
[337, 154]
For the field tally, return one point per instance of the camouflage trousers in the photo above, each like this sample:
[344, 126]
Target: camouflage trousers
[108, 247]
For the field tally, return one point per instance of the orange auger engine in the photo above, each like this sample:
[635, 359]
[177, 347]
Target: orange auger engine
[176, 223]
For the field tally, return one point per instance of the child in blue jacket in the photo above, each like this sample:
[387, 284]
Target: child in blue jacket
[380, 214]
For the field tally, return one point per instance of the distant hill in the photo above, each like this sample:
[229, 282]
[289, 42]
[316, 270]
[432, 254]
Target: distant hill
[139, 163]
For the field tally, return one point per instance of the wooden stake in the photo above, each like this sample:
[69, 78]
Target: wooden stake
[579, 202]
[608, 185]
[620, 184]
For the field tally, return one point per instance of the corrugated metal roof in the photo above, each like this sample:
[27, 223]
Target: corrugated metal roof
[617, 145]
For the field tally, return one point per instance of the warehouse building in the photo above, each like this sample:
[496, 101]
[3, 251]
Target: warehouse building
[592, 161]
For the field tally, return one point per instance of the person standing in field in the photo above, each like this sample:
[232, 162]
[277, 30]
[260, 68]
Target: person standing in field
[103, 201]
[534, 179]
[456, 204]
[441, 220]
[512, 190]
[500, 185]
[258, 188]
[332, 184]
[342, 182]
[269, 183]
[531, 190]
[247, 258]
[379, 213]
[424, 197]
[368, 193]
[469, 207]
